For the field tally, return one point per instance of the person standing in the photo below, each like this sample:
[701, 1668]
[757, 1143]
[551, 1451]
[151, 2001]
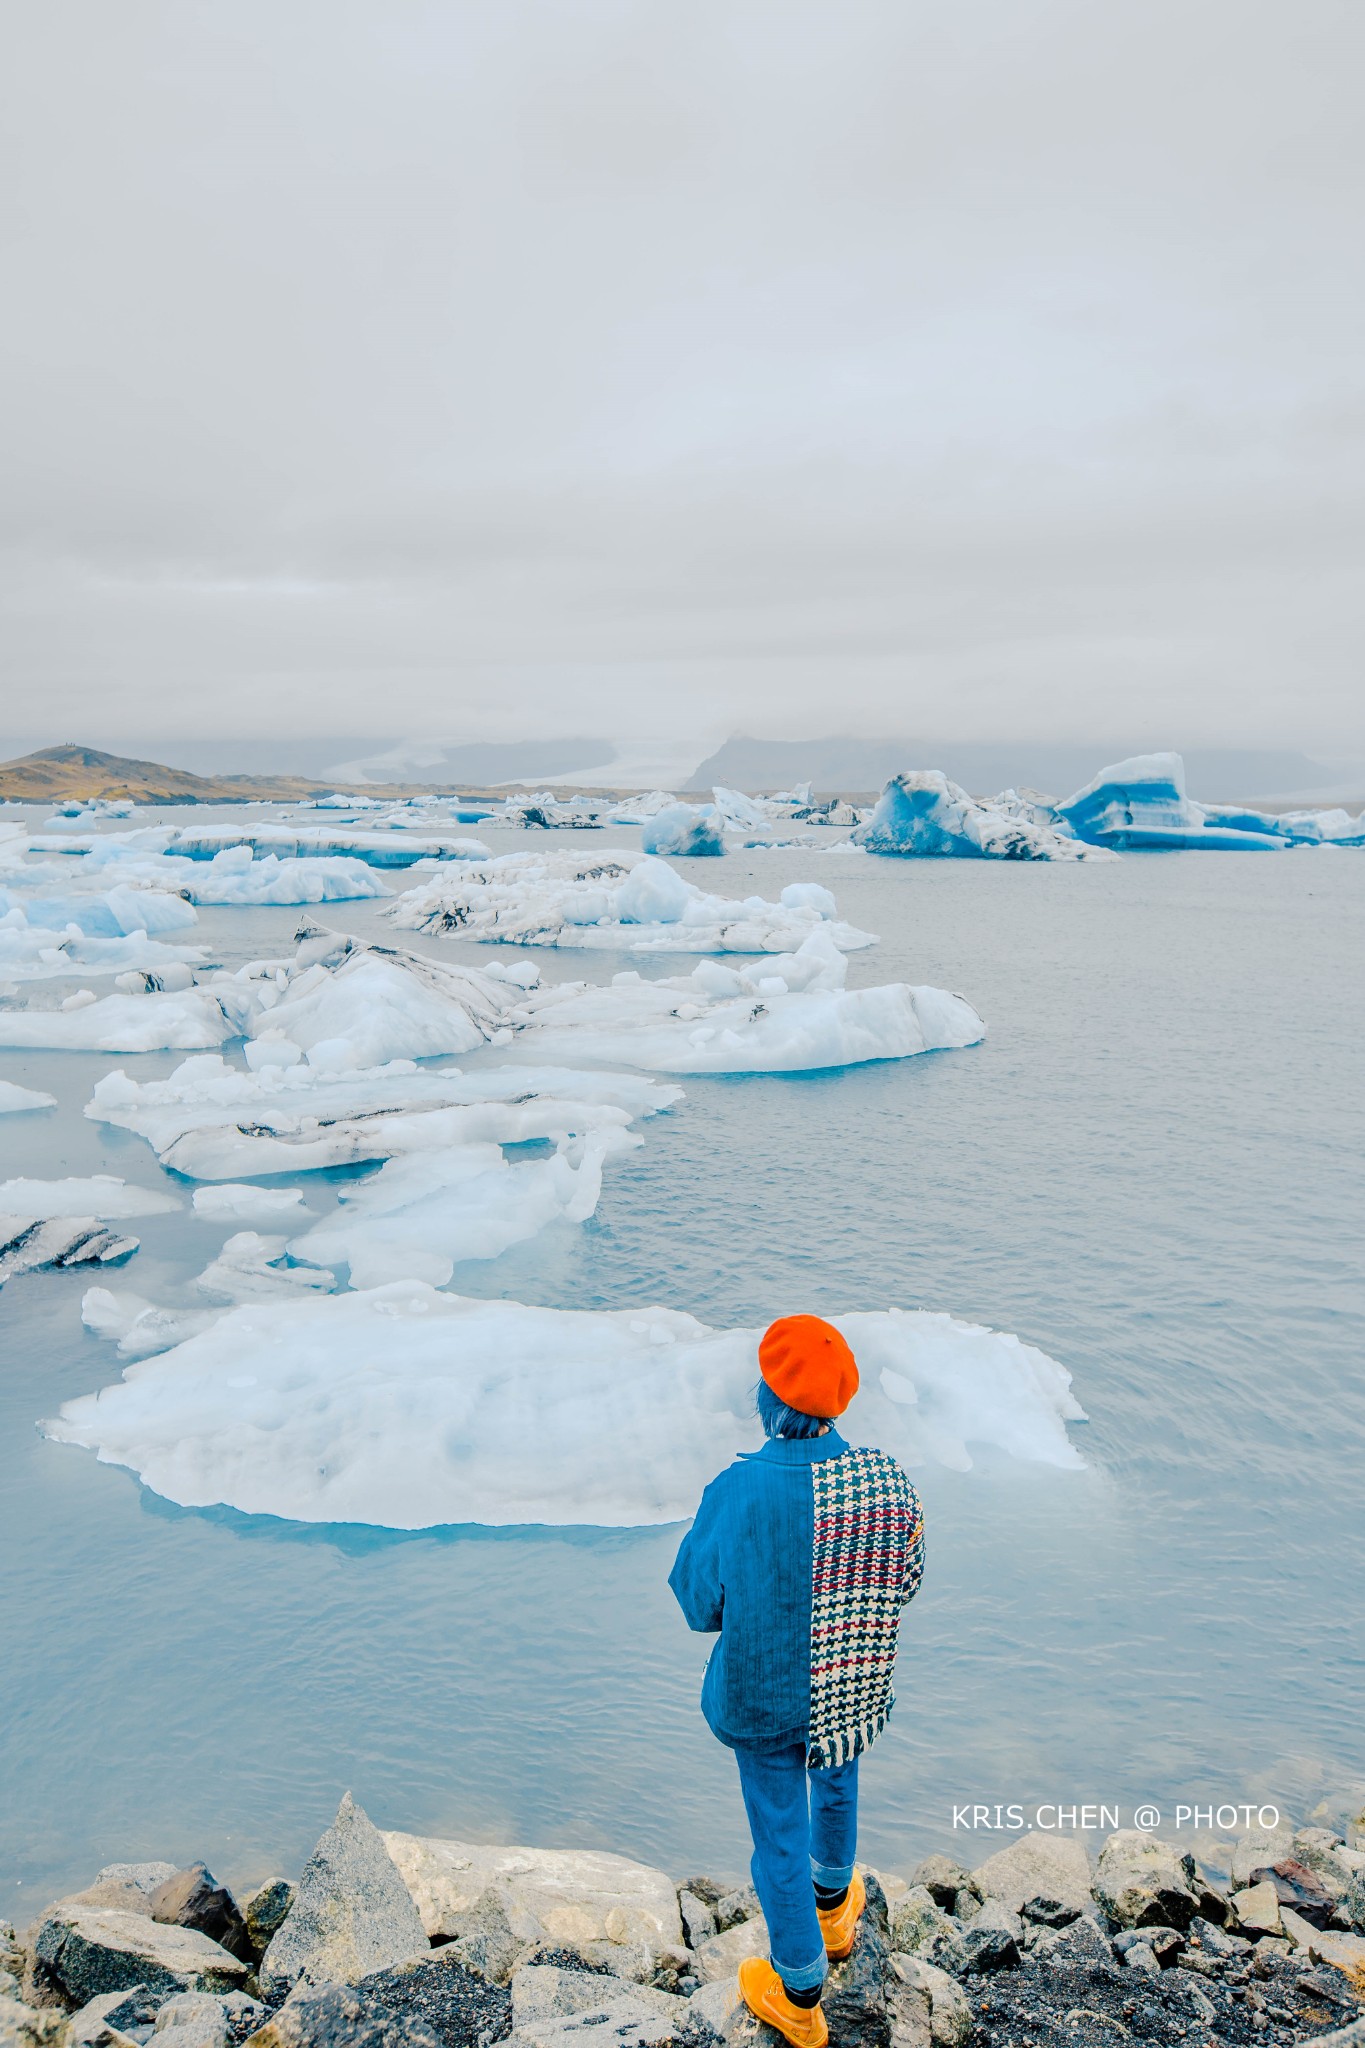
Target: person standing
[802, 1556]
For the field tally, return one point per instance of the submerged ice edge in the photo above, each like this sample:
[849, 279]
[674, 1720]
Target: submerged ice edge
[406, 1408]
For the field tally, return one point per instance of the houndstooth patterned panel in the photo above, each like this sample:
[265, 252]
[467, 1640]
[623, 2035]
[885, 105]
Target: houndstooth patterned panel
[867, 1562]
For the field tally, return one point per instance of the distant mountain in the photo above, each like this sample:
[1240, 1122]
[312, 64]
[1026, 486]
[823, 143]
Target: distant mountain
[55, 773]
[843, 765]
[474, 764]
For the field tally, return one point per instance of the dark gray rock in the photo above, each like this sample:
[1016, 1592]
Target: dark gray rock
[1047, 1912]
[736, 1906]
[194, 1898]
[943, 1879]
[708, 1889]
[265, 1912]
[987, 1949]
[116, 2013]
[353, 1914]
[699, 1921]
[855, 1990]
[1080, 1945]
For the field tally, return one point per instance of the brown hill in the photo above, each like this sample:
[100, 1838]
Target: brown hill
[85, 772]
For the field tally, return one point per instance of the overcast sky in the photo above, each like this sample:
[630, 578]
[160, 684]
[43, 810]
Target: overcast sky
[984, 369]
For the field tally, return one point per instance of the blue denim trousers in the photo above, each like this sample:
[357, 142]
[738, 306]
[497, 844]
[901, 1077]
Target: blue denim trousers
[805, 1829]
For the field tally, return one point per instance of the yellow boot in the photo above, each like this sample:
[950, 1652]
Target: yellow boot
[840, 1925]
[763, 1992]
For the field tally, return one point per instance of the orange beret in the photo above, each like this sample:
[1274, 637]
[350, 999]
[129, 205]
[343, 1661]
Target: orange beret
[808, 1365]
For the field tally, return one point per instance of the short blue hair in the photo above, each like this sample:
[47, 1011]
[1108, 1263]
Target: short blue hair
[780, 1420]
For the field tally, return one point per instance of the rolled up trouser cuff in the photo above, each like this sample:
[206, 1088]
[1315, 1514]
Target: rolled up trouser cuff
[831, 1877]
[804, 1979]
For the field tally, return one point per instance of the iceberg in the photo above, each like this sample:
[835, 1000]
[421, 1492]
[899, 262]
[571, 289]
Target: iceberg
[235, 876]
[229, 1203]
[13, 1098]
[210, 1121]
[1140, 804]
[786, 1014]
[405, 1408]
[922, 814]
[117, 913]
[30, 1244]
[422, 1214]
[363, 1006]
[614, 900]
[104, 1196]
[179, 1022]
[687, 829]
[396, 849]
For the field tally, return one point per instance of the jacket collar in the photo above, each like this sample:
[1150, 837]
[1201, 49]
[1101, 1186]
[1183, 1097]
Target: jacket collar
[800, 1450]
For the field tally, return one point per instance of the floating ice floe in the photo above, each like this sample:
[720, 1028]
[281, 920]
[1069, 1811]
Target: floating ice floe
[211, 1121]
[684, 829]
[790, 1013]
[348, 1004]
[424, 1213]
[30, 1244]
[233, 1204]
[103, 1195]
[406, 1408]
[922, 814]
[397, 849]
[114, 913]
[37, 952]
[180, 1022]
[235, 876]
[615, 900]
[14, 1098]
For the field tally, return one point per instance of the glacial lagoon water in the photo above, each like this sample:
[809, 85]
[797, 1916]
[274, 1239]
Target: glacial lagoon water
[1152, 1168]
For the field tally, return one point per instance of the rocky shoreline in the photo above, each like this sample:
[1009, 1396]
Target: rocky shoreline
[403, 1941]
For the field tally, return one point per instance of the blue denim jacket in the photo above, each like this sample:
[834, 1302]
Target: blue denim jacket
[744, 1569]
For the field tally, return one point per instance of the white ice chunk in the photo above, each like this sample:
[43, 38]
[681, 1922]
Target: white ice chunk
[13, 1097]
[232, 1202]
[614, 900]
[422, 1214]
[211, 1121]
[103, 1195]
[30, 1243]
[255, 1268]
[387, 1005]
[150, 1023]
[232, 876]
[139, 1327]
[698, 1024]
[407, 1408]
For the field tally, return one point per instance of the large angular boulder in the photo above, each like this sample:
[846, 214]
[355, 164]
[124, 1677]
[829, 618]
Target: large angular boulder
[352, 1914]
[82, 1951]
[1143, 1882]
[265, 1911]
[564, 1897]
[949, 2015]
[718, 1960]
[1037, 1866]
[194, 1898]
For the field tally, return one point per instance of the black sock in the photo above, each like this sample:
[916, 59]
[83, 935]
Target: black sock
[827, 1901]
[805, 1999]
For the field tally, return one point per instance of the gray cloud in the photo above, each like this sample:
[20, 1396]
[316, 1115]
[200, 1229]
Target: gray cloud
[981, 371]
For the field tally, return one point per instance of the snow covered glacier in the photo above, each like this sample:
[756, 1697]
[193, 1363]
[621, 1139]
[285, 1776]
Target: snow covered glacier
[406, 1408]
